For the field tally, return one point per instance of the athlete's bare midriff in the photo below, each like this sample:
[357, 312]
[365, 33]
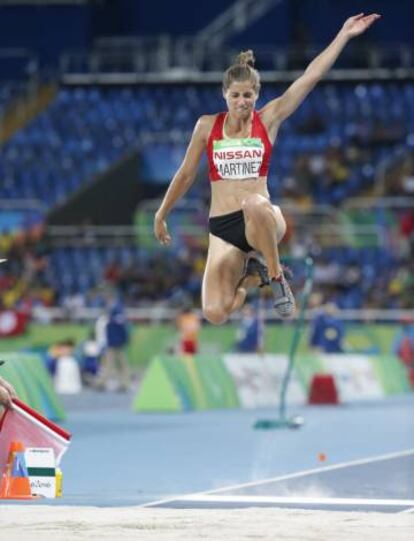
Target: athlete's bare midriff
[228, 195]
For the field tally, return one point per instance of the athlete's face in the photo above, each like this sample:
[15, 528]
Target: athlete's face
[240, 98]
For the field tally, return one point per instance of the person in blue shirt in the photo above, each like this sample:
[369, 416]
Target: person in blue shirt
[90, 354]
[114, 368]
[328, 330]
[250, 332]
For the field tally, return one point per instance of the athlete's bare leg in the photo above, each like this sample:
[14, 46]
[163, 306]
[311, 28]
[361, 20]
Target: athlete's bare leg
[222, 292]
[265, 227]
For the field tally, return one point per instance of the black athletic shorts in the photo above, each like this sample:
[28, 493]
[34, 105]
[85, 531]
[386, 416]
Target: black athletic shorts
[230, 227]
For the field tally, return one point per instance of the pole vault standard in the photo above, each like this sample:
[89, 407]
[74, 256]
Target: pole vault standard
[283, 421]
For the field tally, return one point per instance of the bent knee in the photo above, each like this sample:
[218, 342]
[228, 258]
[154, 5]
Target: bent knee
[215, 314]
[254, 205]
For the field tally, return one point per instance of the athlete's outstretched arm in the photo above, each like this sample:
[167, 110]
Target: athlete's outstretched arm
[182, 180]
[280, 108]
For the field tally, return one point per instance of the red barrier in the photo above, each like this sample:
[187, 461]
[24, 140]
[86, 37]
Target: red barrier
[323, 390]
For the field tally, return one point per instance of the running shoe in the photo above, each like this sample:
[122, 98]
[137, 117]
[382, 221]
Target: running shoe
[256, 266]
[283, 299]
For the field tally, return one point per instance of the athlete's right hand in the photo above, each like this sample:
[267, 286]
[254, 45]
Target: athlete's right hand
[161, 230]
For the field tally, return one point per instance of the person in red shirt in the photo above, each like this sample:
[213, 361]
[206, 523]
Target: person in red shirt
[188, 325]
[238, 143]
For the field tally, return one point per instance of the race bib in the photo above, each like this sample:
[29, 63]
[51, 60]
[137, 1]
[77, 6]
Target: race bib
[238, 159]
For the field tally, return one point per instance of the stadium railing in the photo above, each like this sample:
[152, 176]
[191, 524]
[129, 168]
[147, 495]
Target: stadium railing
[163, 58]
[325, 226]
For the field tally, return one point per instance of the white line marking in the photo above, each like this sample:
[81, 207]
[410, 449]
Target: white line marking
[379, 458]
[298, 500]
[322, 469]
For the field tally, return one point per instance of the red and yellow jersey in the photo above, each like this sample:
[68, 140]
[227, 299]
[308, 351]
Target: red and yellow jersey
[238, 159]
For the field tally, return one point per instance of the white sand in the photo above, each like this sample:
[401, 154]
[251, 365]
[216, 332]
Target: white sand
[55, 523]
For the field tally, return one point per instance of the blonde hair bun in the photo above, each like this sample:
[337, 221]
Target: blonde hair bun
[245, 58]
[242, 70]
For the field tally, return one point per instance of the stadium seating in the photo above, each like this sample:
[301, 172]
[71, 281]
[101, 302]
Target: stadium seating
[85, 130]
[328, 151]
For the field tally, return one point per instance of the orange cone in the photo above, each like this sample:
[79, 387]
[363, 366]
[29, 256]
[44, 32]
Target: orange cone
[15, 483]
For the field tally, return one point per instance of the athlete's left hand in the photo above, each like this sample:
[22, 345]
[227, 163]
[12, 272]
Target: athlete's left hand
[161, 230]
[354, 26]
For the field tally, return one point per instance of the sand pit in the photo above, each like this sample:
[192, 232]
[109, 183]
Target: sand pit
[56, 523]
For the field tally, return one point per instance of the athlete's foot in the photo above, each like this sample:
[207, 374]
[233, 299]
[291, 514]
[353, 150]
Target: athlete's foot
[283, 299]
[256, 268]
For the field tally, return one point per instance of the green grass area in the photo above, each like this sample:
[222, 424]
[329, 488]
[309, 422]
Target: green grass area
[38, 336]
[149, 340]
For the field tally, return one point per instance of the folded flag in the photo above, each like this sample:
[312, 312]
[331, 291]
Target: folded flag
[24, 424]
